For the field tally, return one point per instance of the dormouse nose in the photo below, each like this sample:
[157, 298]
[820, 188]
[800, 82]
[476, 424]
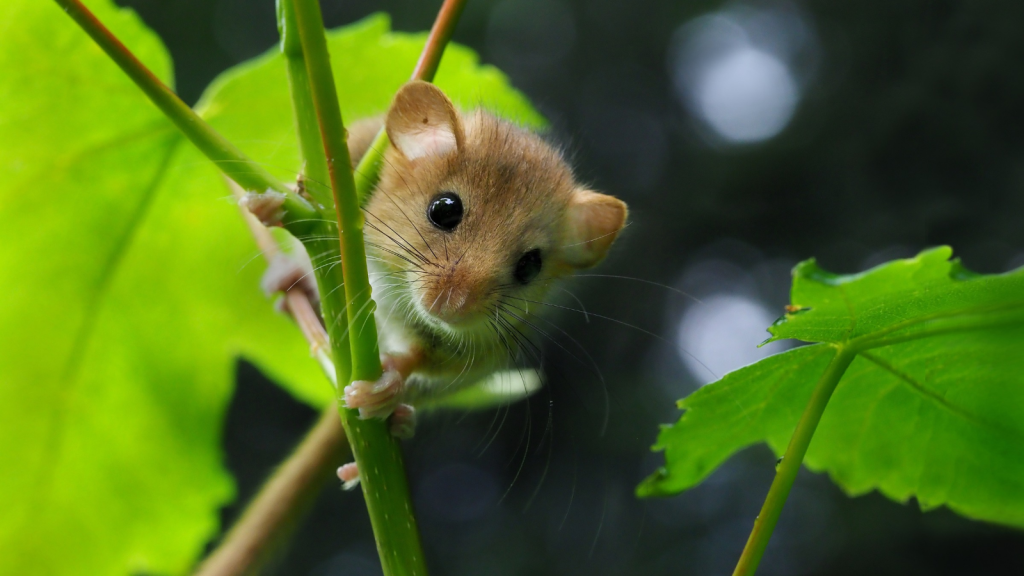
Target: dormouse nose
[457, 294]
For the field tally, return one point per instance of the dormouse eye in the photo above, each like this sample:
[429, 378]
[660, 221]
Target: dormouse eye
[528, 266]
[445, 211]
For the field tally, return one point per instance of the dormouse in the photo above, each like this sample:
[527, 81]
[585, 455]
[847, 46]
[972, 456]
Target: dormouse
[472, 222]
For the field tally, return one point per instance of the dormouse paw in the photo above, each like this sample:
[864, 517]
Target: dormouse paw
[349, 475]
[402, 422]
[267, 207]
[375, 399]
[285, 273]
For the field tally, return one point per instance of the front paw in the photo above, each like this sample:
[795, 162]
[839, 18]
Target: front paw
[376, 399]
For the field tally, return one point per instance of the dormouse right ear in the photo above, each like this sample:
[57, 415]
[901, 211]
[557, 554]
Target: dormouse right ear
[423, 122]
[593, 220]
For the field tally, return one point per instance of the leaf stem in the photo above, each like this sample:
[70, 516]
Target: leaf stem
[382, 472]
[228, 158]
[787, 469]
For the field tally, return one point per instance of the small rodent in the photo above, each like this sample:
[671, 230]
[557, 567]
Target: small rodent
[472, 220]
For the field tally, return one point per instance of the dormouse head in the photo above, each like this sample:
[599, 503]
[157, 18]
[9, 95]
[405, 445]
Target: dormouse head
[473, 213]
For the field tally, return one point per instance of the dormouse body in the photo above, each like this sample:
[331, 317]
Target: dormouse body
[472, 222]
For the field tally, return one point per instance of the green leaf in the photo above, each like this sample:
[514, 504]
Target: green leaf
[498, 389]
[131, 286]
[931, 408]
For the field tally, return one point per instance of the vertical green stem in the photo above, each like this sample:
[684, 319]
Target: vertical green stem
[311, 147]
[381, 469]
[787, 470]
[324, 252]
[365, 357]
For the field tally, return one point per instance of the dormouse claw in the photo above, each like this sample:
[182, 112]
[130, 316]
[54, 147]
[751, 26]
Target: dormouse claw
[265, 206]
[375, 399]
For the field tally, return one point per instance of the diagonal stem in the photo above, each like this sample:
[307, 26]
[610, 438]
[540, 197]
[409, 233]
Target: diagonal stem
[228, 158]
[280, 504]
[276, 510]
[787, 469]
[368, 170]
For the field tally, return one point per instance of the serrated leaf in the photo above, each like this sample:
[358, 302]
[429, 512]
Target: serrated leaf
[932, 407]
[131, 287]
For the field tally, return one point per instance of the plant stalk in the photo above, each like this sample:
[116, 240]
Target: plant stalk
[323, 250]
[276, 510]
[787, 469]
[281, 502]
[228, 158]
[310, 146]
[382, 472]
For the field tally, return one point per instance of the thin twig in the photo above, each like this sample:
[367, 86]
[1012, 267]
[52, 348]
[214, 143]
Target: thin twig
[441, 32]
[299, 306]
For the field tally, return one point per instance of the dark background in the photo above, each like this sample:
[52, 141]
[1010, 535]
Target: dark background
[905, 132]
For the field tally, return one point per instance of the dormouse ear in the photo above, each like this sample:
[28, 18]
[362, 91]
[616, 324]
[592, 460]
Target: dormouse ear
[423, 122]
[593, 221]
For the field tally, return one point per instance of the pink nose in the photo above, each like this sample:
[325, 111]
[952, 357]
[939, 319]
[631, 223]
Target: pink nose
[451, 304]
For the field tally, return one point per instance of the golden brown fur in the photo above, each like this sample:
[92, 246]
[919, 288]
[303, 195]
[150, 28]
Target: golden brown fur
[449, 299]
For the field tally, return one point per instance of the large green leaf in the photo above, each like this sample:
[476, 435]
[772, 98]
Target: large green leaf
[130, 285]
[931, 408]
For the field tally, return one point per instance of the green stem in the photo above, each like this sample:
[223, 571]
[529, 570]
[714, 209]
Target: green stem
[381, 469]
[368, 170]
[324, 252]
[310, 147]
[789, 466]
[365, 357]
[236, 165]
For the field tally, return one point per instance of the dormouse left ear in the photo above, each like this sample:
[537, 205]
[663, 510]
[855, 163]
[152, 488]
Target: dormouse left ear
[593, 221]
[422, 122]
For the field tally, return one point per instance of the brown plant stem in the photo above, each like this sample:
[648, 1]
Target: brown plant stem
[282, 501]
[441, 32]
[276, 510]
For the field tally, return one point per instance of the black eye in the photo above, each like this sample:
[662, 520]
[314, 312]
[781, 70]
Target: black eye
[445, 211]
[528, 267]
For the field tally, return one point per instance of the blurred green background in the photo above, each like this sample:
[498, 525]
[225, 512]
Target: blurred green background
[745, 137]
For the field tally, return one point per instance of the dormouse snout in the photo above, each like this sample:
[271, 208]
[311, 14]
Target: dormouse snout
[456, 294]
